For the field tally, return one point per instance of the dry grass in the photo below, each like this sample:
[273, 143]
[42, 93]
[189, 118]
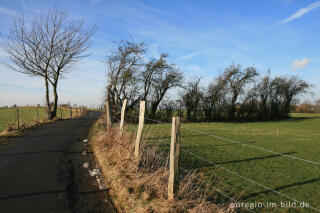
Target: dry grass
[12, 126]
[142, 187]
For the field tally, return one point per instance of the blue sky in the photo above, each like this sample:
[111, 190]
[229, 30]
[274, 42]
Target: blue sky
[201, 37]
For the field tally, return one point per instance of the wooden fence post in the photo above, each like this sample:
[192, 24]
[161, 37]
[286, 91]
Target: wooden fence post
[37, 114]
[140, 128]
[60, 111]
[18, 118]
[108, 112]
[123, 110]
[173, 182]
[70, 110]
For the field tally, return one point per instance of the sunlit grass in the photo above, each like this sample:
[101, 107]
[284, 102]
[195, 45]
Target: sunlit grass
[26, 115]
[296, 137]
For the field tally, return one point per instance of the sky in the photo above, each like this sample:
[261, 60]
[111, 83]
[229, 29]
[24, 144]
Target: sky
[201, 37]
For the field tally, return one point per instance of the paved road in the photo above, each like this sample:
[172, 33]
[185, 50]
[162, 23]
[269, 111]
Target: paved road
[42, 171]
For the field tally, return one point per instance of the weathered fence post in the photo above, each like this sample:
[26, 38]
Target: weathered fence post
[173, 182]
[70, 110]
[123, 110]
[60, 111]
[108, 113]
[140, 128]
[18, 118]
[37, 114]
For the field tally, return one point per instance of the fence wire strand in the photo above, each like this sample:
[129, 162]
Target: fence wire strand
[247, 179]
[153, 128]
[251, 146]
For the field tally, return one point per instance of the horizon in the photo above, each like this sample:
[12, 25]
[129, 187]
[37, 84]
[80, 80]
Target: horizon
[201, 39]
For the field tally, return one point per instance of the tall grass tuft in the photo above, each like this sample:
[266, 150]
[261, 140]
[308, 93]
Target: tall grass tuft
[147, 180]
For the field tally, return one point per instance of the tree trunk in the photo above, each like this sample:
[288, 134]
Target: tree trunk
[154, 107]
[48, 104]
[55, 103]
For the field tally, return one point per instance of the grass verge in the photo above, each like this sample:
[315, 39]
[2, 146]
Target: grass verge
[143, 187]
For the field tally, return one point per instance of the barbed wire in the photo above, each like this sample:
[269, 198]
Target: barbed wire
[237, 142]
[251, 146]
[232, 172]
[215, 189]
[247, 179]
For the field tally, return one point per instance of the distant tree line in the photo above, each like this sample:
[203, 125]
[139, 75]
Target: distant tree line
[307, 107]
[239, 93]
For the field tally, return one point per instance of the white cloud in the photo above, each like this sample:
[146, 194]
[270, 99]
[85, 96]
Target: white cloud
[4, 10]
[298, 64]
[185, 57]
[300, 13]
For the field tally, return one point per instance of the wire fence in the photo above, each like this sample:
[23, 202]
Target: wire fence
[219, 166]
[20, 117]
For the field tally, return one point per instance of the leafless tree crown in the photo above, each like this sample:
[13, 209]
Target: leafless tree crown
[48, 47]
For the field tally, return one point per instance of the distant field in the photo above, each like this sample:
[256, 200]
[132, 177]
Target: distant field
[297, 137]
[27, 114]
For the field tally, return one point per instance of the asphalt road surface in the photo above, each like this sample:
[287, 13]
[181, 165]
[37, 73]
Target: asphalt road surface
[41, 171]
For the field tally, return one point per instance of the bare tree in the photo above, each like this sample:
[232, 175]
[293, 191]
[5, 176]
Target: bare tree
[263, 89]
[124, 66]
[236, 79]
[159, 76]
[214, 98]
[131, 78]
[191, 98]
[48, 47]
[152, 69]
[291, 87]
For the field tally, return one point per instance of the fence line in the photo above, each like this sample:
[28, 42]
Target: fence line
[167, 159]
[153, 127]
[251, 146]
[232, 172]
[22, 117]
[247, 179]
[219, 191]
[237, 142]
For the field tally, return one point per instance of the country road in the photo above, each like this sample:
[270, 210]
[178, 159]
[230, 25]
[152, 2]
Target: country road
[42, 171]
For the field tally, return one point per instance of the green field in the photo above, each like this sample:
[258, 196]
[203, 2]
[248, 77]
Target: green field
[26, 114]
[296, 137]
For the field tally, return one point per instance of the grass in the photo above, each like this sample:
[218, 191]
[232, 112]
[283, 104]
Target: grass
[142, 187]
[27, 115]
[297, 137]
